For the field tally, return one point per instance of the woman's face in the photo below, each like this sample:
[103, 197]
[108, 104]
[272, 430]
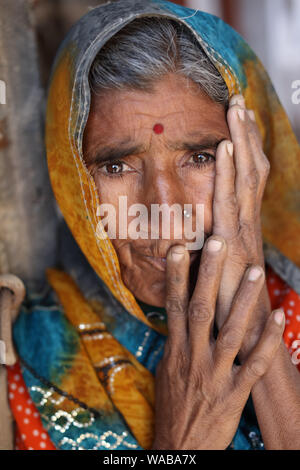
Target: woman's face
[150, 164]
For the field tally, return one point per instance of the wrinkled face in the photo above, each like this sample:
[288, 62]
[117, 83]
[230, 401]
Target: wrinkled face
[154, 148]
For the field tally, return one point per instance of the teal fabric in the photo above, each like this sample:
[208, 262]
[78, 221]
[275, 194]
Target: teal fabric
[47, 344]
[231, 48]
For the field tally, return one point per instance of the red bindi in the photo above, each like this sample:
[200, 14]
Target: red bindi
[158, 128]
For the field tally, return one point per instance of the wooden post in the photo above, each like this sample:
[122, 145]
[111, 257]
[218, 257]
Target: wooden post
[28, 220]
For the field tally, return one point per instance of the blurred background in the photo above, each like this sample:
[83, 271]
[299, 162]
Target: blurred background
[271, 27]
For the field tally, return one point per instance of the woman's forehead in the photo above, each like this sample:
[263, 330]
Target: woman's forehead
[171, 111]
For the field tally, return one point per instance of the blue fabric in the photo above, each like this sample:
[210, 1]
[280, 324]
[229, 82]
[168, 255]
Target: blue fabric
[47, 344]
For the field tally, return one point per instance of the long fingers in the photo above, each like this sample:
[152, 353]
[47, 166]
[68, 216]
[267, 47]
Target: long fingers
[225, 207]
[247, 172]
[253, 166]
[232, 333]
[260, 359]
[201, 313]
[177, 292]
[261, 161]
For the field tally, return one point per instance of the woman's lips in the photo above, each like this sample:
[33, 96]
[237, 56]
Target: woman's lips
[160, 263]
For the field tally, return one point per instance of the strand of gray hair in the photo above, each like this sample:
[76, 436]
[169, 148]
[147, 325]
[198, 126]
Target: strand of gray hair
[149, 48]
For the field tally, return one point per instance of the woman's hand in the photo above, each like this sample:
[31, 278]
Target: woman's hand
[241, 174]
[200, 393]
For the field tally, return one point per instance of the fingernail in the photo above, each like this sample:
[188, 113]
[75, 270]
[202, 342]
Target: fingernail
[229, 147]
[279, 317]
[241, 113]
[214, 245]
[254, 274]
[239, 100]
[251, 115]
[178, 253]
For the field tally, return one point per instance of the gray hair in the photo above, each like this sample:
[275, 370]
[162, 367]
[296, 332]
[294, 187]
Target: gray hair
[148, 48]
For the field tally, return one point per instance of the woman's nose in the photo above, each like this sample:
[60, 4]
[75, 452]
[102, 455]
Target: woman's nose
[163, 187]
[164, 197]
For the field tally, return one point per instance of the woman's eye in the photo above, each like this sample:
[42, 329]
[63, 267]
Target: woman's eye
[201, 159]
[116, 168]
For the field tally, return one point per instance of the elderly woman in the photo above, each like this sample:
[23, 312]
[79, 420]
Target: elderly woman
[153, 342]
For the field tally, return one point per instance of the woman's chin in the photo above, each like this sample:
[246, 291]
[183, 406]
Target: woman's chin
[147, 281]
[154, 294]
[148, 284]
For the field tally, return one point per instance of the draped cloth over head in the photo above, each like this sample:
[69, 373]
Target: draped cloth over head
[68, 109]
[90, 374]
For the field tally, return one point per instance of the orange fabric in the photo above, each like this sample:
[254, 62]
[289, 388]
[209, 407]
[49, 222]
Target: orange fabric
[30, 433]
[133, 387]
[280, 206]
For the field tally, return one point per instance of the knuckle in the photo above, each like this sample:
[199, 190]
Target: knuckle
[231, 202]
[265, 168]
[228, 199]
[174, 306]
[258, 366]
[251, 180]
[175, 278]
[255, 331]
[246, 226]
[229, 338]
[232, 110]
[195, 378]
[254, 136]
[207, 271]
[200, 312]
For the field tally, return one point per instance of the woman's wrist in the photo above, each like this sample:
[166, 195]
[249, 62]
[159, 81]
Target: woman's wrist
[276, 398]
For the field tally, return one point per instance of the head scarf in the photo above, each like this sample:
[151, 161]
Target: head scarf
[87, 350]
